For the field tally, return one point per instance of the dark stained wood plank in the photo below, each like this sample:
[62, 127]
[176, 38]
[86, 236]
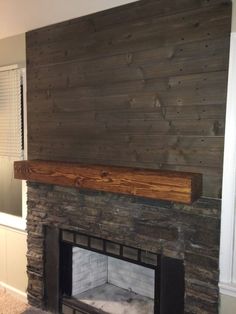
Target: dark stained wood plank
[200, 83]
[116, 114]
[76, 100]
[125, 104]
[151, 141]
[145, 154]
[165, 185]
[87, 129]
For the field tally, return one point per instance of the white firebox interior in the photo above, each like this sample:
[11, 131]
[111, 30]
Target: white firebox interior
[89, 270]
[111, 284]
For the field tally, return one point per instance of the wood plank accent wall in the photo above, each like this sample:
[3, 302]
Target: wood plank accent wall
[141, 85]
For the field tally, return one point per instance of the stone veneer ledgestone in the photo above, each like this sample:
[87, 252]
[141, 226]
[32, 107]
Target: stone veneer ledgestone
[188, 232]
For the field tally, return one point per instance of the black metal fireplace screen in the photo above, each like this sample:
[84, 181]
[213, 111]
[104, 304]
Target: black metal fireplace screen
[61, 249]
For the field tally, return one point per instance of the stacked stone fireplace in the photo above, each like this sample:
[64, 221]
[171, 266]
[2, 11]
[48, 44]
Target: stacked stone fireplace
[154, 239]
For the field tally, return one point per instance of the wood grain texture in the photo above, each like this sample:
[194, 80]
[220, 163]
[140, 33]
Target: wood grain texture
[142, 85]
[160, 184]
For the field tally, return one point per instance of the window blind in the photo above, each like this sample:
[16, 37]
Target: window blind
[10, 114]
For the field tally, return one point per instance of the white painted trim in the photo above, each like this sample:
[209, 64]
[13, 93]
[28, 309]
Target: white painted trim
[9, 67]
[23, 70]
[229, 290]
[24, 185]
[227, 242]
[15, 230]
[12, 221]
[20, 294]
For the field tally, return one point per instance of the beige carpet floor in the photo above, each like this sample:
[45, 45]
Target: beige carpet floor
[10, 304]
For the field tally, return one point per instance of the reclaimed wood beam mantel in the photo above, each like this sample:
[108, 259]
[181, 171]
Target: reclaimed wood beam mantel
[156, 184]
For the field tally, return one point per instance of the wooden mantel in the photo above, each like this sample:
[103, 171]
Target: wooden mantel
[156, 184]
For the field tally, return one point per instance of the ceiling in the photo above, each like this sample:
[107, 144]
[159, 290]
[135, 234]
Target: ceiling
[19, 16]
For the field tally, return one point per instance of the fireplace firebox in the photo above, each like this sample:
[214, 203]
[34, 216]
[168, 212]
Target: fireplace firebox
[88, 275]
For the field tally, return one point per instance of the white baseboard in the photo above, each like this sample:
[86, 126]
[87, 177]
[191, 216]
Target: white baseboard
[16, 292]
[228, 289]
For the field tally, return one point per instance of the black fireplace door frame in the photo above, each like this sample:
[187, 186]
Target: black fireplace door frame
[169, 275]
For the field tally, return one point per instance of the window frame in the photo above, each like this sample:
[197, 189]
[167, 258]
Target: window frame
[7, 219]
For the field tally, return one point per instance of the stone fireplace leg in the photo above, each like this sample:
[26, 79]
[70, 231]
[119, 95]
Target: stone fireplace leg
[52, 269]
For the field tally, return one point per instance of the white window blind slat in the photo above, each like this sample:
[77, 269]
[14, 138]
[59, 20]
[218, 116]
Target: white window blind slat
[10, 114]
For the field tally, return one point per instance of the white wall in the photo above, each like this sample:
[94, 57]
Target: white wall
[234, 16]
[12, 50]
[13, 249]
[227, 305]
